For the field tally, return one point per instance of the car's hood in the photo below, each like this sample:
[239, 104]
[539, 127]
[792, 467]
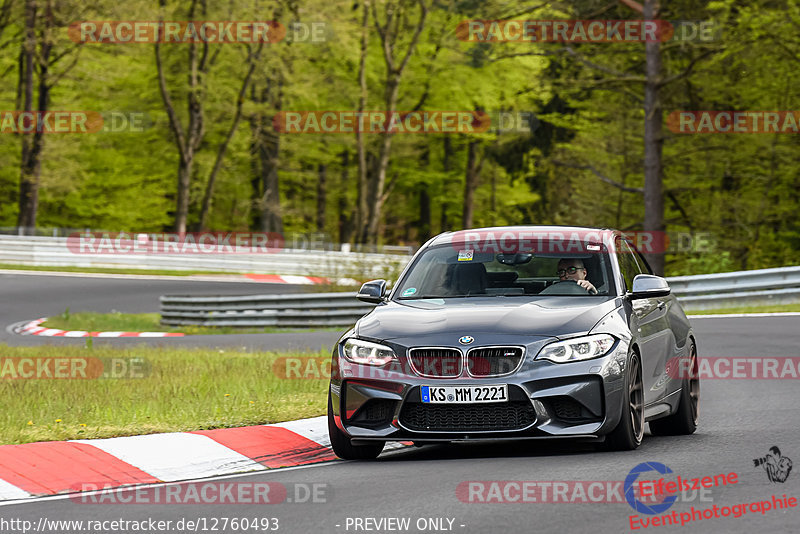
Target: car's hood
[544, 317]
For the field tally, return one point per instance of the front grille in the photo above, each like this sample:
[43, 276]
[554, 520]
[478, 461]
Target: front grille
[436, 363]
[493, 361]
[512, 415]
[376, 412]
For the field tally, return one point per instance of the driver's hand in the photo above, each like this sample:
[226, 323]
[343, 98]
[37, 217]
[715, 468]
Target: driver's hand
[587, 285]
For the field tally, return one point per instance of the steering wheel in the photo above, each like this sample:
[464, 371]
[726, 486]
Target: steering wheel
[575, 289]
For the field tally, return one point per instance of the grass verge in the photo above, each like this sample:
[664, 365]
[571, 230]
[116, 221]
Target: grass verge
[171, 390]
[775, 308]
[150, 322]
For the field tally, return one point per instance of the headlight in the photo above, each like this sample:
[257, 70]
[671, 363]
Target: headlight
[579, 348]
[368, 353]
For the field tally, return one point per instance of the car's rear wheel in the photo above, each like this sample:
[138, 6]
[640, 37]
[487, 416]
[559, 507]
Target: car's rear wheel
[343, 447]
[684, 420]
[630, 430]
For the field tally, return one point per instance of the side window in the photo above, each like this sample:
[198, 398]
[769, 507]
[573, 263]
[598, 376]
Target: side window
[627, 263]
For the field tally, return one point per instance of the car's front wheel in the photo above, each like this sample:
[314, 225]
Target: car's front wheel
[684, 420]
[343, 447]
[630, 430]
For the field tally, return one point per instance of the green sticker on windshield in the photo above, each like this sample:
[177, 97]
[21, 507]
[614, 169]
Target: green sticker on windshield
[410, 291]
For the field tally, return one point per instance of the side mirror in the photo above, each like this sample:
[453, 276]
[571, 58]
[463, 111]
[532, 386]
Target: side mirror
[372, 291]
[647, 286]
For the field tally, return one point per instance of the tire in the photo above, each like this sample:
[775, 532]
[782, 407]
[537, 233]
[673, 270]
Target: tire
[684, 420]
[629, 432]
[342, 446]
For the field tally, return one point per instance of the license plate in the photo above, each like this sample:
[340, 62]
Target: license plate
[464, 394]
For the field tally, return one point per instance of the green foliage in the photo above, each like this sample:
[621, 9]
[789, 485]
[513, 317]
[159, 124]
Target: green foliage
[743, 189]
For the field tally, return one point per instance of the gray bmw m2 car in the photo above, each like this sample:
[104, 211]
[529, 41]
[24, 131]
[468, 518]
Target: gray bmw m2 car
[515, 333]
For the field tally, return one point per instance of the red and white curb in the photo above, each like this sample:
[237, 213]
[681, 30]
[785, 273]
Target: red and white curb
[34, 328]
[56, 467]
[286, 279]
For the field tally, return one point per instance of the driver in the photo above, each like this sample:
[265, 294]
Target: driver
[573, 269]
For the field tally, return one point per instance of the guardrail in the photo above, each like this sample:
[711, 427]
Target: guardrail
[741, 288]
[708, 291]
[332, 264]
[320, 309]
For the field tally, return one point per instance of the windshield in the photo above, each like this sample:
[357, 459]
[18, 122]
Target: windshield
[450, 271]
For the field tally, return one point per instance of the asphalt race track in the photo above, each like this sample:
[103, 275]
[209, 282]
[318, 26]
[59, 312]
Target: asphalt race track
[30, 296]
[740, 420]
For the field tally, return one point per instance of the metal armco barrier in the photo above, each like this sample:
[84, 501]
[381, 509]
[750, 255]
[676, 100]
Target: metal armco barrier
[54, 252]
[761, 287]
[303, 310]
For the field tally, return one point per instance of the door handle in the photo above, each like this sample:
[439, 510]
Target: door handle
[662, 305]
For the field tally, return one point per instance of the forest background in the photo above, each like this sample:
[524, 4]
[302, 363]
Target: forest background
[207, 156]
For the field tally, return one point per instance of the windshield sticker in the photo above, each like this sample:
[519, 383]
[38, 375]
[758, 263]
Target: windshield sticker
[465, 255]
[410, 291]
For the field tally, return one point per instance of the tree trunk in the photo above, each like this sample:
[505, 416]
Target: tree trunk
[361, 207]
[29, 173]
[323, 171]
[424, 214]
[252, 59]
[182, 201]
[379, 179]
[268, 203]
[189, 142]
[424, 223]
[447, 145]
[653, 196]
[35, 53]
[345, 216]
[272, 219]
[270, 152]
[394, 74]
[471, 183]
[493, 205]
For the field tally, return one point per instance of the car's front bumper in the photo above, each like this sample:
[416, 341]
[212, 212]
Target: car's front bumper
[546, 400]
